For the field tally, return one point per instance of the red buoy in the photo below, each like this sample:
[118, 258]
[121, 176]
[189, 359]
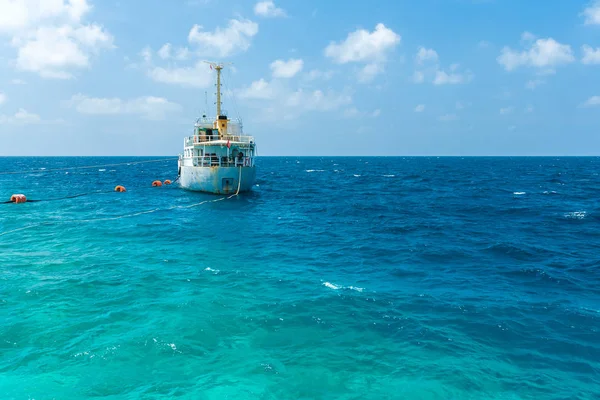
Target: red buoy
[157, 183]
[120, 188]
[167, 182]
[18, 198]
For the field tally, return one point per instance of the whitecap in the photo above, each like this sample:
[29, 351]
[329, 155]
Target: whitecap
[42, 169]
[216, 271]
[550, 192]
[331, 286]
[356, 175]
[519, 193]
[101, 170]
[576, 215]
[389, 176]
[358, 289]
[315, 170]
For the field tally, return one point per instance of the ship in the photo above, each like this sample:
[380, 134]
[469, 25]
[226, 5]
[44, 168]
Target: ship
[219, 157]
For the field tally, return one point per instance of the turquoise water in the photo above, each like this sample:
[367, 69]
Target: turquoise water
[336, 278]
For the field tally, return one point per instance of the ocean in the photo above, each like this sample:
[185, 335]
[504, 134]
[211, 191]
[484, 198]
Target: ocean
[335, 278]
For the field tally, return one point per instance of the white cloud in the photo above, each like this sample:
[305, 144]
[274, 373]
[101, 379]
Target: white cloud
[593, 101]
[149, 107]
[22, 117]
[528, 37]
[18, 82]
[448, 117]
[260, 89]
[50, 36]
[286, 69]
[592, 13]
[452, 78]
[364, 46]
[2, 98]
[268, 9]
[198, 76]
[590, 55]
[420, 108]
[165, 51]
[424, 55]
[506, 110]
[224, 42]
[533, 83]
[440, 77]
[278, 98]
[317, 100]
[369, 72]
[317, 74]
[53, 51]
[542, 53]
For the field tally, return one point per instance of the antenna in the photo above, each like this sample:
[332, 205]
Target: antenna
[205, 103]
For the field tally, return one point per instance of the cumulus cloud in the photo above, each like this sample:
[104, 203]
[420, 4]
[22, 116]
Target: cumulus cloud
[51, 38]
[197, 76]
[593, 101]
[362, 46]
[268, 9]
[149, 107]
[427, 61]
[223, 42]
[2, 98]
[286, 69]
[424, 55]
[541, 53]
[590, 55]
[591, 13]
[21, 117]
[260, 89]
[420, 108]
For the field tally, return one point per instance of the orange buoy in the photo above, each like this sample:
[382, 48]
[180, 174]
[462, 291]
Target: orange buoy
[120, 188]
[167, 182]
[18, 198]
[157, 183]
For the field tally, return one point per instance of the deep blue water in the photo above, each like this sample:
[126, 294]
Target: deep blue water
[336, 278]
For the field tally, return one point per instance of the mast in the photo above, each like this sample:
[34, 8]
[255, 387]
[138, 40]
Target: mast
[218, 67]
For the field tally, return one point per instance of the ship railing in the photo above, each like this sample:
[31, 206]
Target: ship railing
[192, 140]
[224, 161]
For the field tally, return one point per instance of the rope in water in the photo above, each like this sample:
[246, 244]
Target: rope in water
[128, 215]
[86, 166]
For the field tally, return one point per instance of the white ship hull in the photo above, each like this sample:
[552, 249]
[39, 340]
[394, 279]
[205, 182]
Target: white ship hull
[217, 179]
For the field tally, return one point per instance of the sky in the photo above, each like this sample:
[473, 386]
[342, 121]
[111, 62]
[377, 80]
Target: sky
[310, 77]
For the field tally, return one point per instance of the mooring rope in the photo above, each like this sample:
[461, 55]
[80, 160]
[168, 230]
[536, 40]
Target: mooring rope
[86, 166]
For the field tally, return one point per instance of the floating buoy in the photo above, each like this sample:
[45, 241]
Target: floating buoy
[18, 198]
[157, 183]
[167, 182]
[120, 188]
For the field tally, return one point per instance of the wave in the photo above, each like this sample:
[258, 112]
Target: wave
[576, 215]
[519, 193]
[338, 287]
[315, 170]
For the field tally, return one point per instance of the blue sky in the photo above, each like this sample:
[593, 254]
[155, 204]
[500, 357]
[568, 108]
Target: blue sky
[429, 77]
